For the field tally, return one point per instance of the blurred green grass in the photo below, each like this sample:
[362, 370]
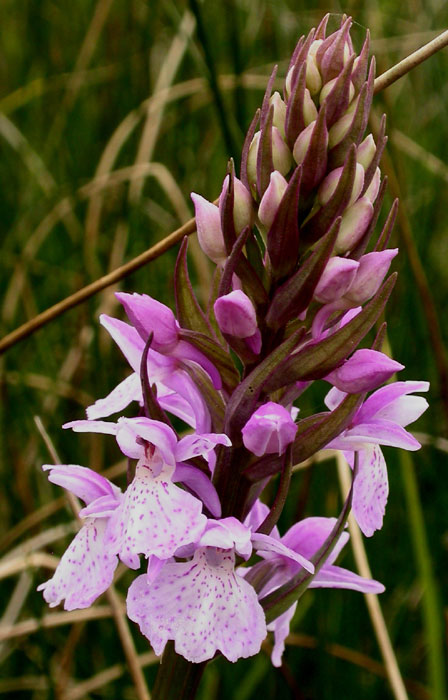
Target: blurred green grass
[76, 79]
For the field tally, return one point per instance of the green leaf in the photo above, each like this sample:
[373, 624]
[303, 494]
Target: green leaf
[188, 311]
[215, 353]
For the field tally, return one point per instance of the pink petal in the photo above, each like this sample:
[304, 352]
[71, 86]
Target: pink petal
[85, 571]
[83, 482]
[127, 339]
[202, 605]
[336, 577]
[376, 432]
[385, 403]
[228, 533]
[92, 426]
[102, 507]
[131, 431]
[198, 482]
[186, 351]
[199, 445]
[308, 535]
[148, 315]
[266, 543]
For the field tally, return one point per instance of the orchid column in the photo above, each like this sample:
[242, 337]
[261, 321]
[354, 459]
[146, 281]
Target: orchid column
[299, 283]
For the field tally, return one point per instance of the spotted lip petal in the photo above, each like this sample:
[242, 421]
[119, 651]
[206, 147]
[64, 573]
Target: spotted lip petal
[85, 571]
[155, 518]
[203, 605]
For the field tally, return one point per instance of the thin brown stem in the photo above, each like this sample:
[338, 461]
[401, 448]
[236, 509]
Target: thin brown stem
[91, 289]
[410, 62]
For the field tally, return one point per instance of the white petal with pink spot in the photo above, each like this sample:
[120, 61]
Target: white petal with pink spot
[203, 605]
[156, 517]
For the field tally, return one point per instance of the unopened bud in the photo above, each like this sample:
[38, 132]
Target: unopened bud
[372, 269]
[340, 129]
[372, 191]
[235, 314]
[354, 224]
[336, 279]
[279, 112]
[252, 161]
[309, 108]
[302, 143]
[281, 156]
[328, 87]
[366, 151]
[313, 77]
[314, 47]
[208, 225]
[272, 198]
[243, 212]
[269, 430]
[329, 185]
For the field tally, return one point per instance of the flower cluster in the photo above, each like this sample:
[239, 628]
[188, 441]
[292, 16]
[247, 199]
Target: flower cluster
[299, 285]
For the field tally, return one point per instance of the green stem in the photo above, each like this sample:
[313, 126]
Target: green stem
[432, 610]
[177, 678]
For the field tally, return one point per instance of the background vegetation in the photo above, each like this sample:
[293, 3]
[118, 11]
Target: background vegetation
[110, 114]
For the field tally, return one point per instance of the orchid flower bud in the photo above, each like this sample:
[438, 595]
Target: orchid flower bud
[208, 224]
[235, 314]
[279, 117]
[243, 212]
[340, 129]
[281, 155]
[252, 161]
[272, 198]
[372, 269]
[328, 87]
[236, 317]
[313, 77]
[355, 221]
[365, 370]
[269, 430]
[309, 108]
[366, 151]
[336, 279]
[371, 192]
[302, 143]
[328, 187]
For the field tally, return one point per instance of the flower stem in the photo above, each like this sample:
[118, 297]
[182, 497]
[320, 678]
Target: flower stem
[177, 678]
[407, 64]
